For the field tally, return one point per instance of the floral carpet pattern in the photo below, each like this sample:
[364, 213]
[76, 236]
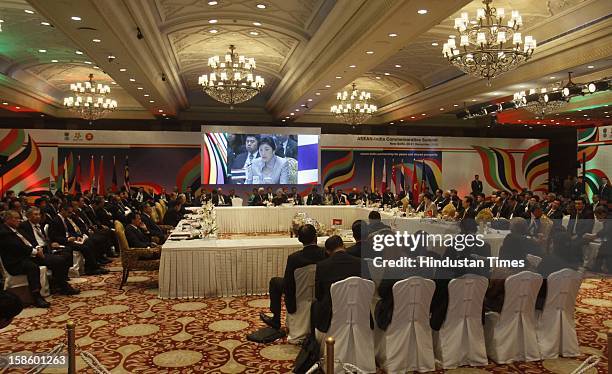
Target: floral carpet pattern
[132, 331]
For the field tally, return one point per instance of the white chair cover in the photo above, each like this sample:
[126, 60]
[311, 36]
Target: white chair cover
[298, 323]
[533, 261]
[78, 264]
[556, 326]
[407, 343]
[460, 340]
[14, 281]
[511, 335]
[237, 201]
[350, 324]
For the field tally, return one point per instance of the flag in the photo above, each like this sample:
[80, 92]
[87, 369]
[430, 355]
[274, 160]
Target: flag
[101, 186]
[393, 178]
[383, 183]
[402, 177]
[126, 175]
[92, 173]
[52, 177]
[415, 184]
[65, 176]
[114, 181]
[423, 177]
[372, 180]
[76, 184]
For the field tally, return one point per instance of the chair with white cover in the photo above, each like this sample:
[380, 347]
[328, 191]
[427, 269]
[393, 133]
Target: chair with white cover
[407, 344]
[237, 201]
[511, 335]
[19, 281]
[298, 323]
[78, 264]
[460, 340]
[556, 325]
[350, 324]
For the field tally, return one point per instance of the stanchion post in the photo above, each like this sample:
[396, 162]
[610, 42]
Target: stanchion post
[71, 347]
[329, 355]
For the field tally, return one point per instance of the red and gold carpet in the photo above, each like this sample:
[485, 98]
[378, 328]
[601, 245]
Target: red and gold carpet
[132, 331]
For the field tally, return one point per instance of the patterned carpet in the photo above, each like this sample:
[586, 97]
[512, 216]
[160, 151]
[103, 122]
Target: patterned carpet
[132, 331]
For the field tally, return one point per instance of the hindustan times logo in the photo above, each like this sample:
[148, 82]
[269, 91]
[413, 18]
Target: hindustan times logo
[413, 241]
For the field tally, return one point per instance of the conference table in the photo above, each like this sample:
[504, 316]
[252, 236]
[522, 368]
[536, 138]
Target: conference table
[211, 267]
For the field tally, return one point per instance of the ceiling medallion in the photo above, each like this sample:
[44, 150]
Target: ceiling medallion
[232, 80]
[353, 107]
[90, 100]
[487, 47]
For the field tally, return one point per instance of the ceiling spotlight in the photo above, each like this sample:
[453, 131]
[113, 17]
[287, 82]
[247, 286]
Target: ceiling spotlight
[378, 78]
[292, 114]
[473, 99]
[132, 80]
[327, 86]
[352, 66]
[146, 95]
[42, 50]
[422, 114]
[161, 110]
[96, 40]
[212, 21]
[256, 24]
[45, 23]
[123, 69]
[78, 52]
[441, 108]
[28, 11]
[598, 86]
[255, 33]
[370, 52]
[434, 44]
[590, 67]
[422, 11]
[338, 77]
[455, 105]
[318, 93]
[151, 101]
[283, 120]
[551, 77]
[387, 74]
[140, 88]
[75, 18]
[398, 65]
[17, 107]
[261, 6]
[392, 35]
[5, 103]
[297, 110]
[54, 61]
[309, 99]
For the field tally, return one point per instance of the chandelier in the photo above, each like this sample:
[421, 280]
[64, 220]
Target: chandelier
[546, 100]
[90, 100]
[354, 107]
[487, 47]
[232, 80]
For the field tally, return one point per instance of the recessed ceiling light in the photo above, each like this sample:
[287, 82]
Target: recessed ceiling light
[391, 123]
[132, 80]
[422, 11]
[110, 57]
[455, 104]
[96, 40]
[590, 66]
[378, 78]
[212, 21]
[254, 33]
[113, 82]
[317, 93]
[303, 105]
[261, 6]
[434, 44]
[212, 3]
[213, 31]
[42, 50]
[551, 77]
[256, 23]
[5, 103]
[75, 18]
[146, 95]
[392, 35]
[608, 116]
[283, 120]
[584, 115]
[151, 101]
[398, 65]
[566, 117]
[161, 110]
[54, 61]
[441, 108]
[17, 107]
[413, 117]
[327, 86]
[28, 11]
[473, 99]
[422, 114]
[87, 62]
[401, 120]
[370, 52]
[580, 110]
[287, 117]
[573, 121]
[338, 77]
[78, 52]
[292, 114]
[297, 110]
[123, 69]
[387, 74]
[588, 119]
[140, 88]
[352, 66]
[45, 23]
[309, 99]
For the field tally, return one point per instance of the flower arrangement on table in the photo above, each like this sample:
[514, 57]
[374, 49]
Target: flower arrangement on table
[301, 219]
[484, 216]
[449, 211]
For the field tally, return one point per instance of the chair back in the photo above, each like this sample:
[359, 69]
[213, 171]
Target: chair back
[466, 296]
[412, 298]
[350, 323]
[520, 294]
[120, 232]
[299, 322]
[154, 215]
[376, 273]
[561, 291]
[159, 209]
[237, 201]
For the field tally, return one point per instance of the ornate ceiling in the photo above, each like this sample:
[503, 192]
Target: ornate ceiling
[305, 49]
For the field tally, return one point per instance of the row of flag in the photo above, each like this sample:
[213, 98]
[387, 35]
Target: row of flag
[399, 173]
[68, 182]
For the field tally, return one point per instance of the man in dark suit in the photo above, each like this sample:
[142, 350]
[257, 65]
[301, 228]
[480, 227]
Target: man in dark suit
[314, 198]
[173, 215]
[218, 199]
[285, 146]
[578, 189]
[581, 221]
[338, 266]
[341, 198]
[444, 201]
[388, 198]
[141, 196]
[103, 216]
[360, 233]
[297, 198]
[476, 185]
[514, 208]
[244, 159]
[605, 191]
[310, 254]
[152, 227]
[500, 209]
[135, 233]
[480, 203]
[353, 196]
[63, 231]
[468, 210]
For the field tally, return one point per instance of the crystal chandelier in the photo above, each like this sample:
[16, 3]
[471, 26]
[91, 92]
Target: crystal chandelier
[232, 80]
[487, 47]
[90, 100]
[354, 107]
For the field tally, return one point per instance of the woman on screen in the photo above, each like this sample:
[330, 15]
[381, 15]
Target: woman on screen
[268, 168]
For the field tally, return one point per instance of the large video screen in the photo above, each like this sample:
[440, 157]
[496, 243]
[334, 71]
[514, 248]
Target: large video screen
[259, 158]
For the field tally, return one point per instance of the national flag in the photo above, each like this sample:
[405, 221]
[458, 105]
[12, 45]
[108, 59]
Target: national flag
[126, 175]
[372, 179]
[424, 186]
[383, 183]
[402, 177]
[114, 181]
[76, 184]
[92, 173]
[415, 184]
[101, 186]
[393, 178]
[65, 176]
[52, 177]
